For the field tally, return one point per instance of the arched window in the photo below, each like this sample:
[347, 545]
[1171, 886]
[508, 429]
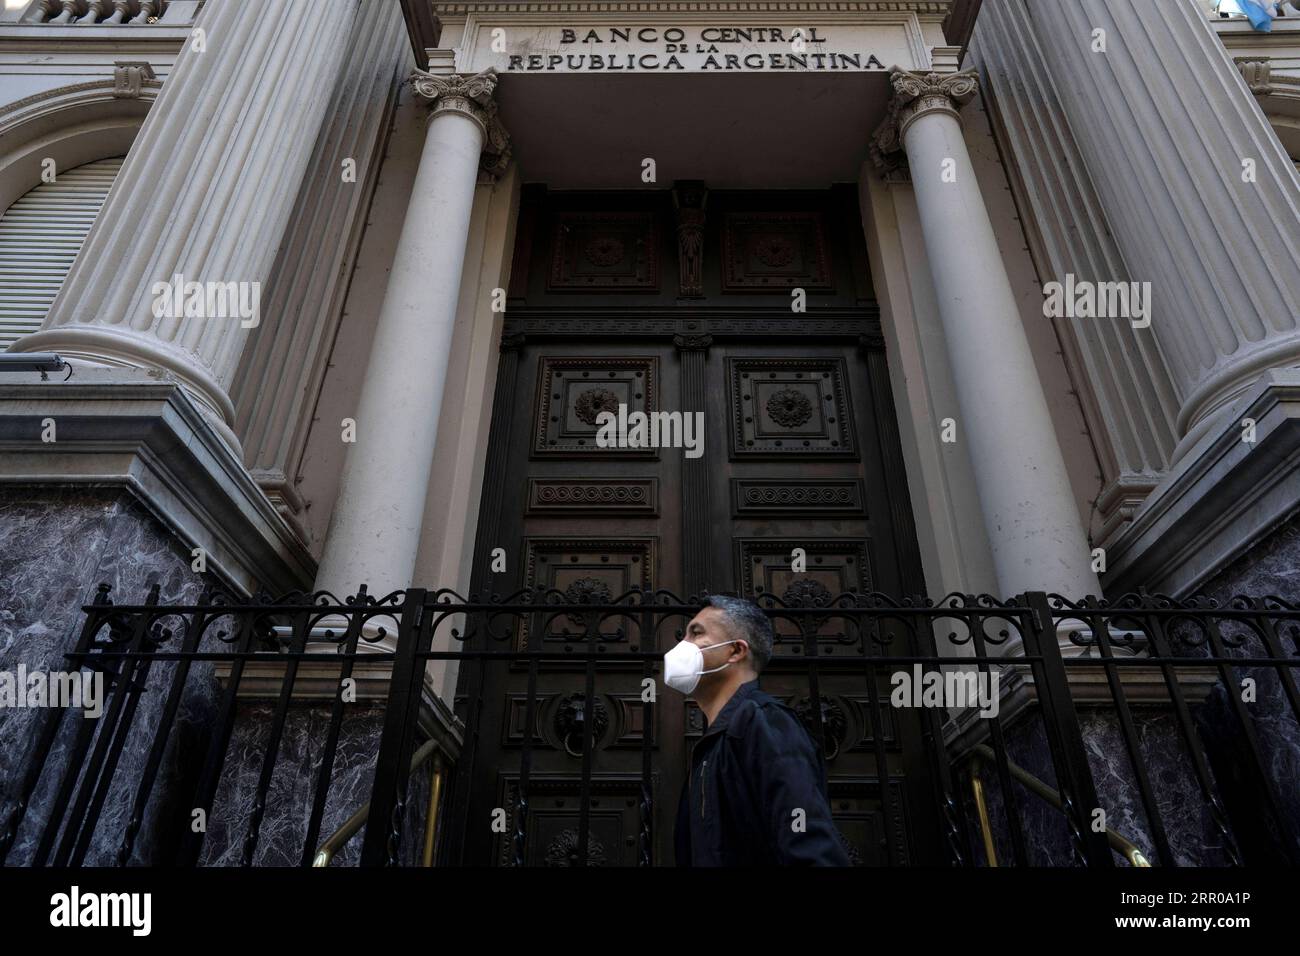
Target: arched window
[40, 236]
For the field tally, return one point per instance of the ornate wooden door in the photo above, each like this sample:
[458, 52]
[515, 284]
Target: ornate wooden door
[682, 301]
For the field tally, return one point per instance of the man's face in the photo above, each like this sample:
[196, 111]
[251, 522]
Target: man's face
[709, 629]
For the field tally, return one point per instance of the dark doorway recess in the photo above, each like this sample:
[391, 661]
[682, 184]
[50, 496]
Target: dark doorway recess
[681, 300]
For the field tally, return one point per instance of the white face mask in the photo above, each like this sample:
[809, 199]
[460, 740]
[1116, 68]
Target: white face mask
[684, 665]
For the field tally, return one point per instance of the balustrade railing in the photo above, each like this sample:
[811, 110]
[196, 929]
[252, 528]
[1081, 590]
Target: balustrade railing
[97, 12]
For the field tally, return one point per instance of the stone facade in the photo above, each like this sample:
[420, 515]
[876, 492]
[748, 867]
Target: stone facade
[360, 167]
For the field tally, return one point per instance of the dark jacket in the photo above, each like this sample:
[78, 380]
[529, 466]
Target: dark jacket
[754, 766]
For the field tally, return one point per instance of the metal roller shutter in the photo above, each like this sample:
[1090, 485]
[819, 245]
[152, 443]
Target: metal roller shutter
[40, 236]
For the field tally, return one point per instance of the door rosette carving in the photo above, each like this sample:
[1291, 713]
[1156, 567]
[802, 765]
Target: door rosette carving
[776, 252]
[605, 251]
[587, 591]
[592, 402]
[808, 592]
[789, 408]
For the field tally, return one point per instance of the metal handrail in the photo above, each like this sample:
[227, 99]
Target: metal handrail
[340, 837]
[1118, 842]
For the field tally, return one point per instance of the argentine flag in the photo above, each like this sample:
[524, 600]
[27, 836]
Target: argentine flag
[1260, 13]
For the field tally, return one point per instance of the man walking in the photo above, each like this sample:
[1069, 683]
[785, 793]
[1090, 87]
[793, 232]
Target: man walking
[756, 791]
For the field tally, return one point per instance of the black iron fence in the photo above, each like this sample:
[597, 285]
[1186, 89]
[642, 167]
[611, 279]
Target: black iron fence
[1143, 730]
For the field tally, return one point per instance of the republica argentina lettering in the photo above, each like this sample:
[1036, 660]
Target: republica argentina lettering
[579, 62]
[651, 49]
[595, 61]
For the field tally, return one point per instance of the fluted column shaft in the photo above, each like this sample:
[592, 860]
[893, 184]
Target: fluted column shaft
[205, 193]
[374, 533]
[302, 311]
[1029, 510]
[1197, 189]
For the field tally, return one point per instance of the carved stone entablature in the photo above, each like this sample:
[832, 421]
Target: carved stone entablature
[916, 95]
[470, 96]
[696, 332]
[1257, 72]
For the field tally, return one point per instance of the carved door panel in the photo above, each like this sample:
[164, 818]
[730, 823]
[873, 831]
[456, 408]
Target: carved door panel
[804, 505]
[591, 523]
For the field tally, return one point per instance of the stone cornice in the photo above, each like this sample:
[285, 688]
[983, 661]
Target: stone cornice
[162, 43]
[472, 96]
[314, 682]
[1221, 498]
[1089, 688]
[916, 95]
[1237, 31]
[423, 28]
[142, 431]
[960, 22]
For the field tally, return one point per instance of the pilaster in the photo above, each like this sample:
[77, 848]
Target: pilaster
[311, 279]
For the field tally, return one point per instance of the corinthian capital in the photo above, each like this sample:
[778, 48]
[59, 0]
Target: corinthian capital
[915, 95]
[455, 91]
[470, 96]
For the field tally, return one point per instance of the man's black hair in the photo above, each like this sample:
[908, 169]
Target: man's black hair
[748, 623]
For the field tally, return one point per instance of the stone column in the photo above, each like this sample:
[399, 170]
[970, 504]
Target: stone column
[1033, 525]
[205, 194]
[375, 530]
[1200, 195]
